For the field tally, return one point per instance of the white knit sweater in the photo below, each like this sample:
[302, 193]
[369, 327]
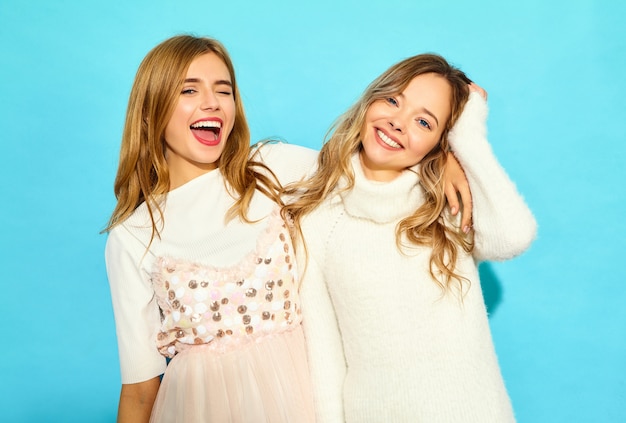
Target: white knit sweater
[384, 344]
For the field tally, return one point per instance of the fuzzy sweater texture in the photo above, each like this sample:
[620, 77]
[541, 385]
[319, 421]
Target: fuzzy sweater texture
[384, 344]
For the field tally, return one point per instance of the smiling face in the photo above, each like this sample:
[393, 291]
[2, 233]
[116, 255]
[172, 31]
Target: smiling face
[399, 131]
[202, 120]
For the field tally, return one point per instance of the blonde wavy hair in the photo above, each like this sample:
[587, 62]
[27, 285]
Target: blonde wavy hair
[426, 225]
[143, 173]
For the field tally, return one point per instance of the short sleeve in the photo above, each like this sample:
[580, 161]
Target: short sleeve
[137, 317]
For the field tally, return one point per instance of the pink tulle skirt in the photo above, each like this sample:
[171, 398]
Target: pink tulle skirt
[266, 380]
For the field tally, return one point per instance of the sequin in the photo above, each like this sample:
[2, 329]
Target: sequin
[200, 304]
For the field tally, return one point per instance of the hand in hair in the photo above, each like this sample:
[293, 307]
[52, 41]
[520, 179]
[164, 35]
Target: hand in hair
[473, 87]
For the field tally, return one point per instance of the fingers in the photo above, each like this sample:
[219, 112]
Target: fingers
[478, 89]
[453, 199]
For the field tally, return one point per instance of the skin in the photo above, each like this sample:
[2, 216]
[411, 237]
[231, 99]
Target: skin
[399, 131]
[136, 401]
[206, 97]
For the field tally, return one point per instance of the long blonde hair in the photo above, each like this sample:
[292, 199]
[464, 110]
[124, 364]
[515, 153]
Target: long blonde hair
[426, 225]
[143, 174]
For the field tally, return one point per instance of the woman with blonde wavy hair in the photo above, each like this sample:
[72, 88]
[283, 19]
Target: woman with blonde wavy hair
[198, 257]
[394, 317]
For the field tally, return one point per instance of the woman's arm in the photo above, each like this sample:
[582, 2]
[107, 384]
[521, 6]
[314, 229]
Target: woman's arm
[136, 400]
[504, 225]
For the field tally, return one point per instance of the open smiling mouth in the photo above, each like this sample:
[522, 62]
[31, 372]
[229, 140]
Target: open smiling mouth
[391, 143]
[207, 131]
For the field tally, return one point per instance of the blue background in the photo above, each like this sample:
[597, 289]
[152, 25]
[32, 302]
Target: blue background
[555, 76]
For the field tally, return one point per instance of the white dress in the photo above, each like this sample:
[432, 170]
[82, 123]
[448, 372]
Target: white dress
[220, 299]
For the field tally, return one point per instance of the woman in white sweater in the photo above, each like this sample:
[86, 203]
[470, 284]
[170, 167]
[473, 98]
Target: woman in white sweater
[393, 312]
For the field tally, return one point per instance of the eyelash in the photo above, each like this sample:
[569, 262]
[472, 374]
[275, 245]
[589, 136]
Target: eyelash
[421, 122]
[392, 101]
[192, 91]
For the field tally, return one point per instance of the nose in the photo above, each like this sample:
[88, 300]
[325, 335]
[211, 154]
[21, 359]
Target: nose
[210, 101]
[396, 124]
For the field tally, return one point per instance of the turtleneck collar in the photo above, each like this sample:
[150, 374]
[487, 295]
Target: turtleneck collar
[382, 202]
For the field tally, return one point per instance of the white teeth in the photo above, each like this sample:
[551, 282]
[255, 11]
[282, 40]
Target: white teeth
[207, 124]
[387, 140]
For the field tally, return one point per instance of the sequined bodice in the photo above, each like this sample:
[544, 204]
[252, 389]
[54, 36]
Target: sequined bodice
[225, 307]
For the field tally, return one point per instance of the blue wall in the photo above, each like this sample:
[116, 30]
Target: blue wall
[555, 76]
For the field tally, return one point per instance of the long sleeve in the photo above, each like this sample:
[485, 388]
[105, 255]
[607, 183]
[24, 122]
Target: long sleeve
[323, 341]
[504, 225]
[136, 311]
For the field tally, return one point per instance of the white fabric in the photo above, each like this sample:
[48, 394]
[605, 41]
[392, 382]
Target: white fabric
[195, 230]
[384, 344]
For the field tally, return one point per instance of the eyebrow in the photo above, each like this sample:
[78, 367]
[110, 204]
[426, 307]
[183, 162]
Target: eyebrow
[218, 82]
[428, 112]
